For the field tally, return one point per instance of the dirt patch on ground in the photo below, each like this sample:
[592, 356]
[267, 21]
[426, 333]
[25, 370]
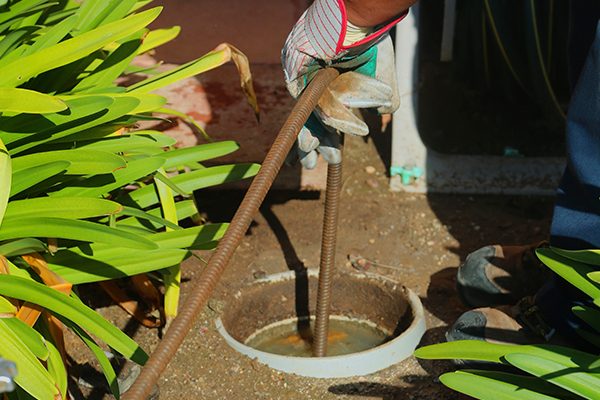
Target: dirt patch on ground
[424, 237]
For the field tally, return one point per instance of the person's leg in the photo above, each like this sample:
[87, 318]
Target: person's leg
[497, 275]
[584, 15]
[576, 220]
[575, 224]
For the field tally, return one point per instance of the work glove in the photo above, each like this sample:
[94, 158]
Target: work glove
[323, 37]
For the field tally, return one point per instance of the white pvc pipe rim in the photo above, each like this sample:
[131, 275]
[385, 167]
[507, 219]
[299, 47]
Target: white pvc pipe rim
[355, 364]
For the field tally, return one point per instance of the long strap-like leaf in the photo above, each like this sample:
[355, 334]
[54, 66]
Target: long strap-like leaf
[5, 179]
[74, 310]
[21, 70]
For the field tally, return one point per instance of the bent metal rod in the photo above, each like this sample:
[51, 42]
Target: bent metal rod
[208, 279]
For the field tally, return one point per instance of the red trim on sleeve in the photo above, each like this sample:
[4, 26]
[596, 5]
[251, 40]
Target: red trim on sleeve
[373, 35]
[344, 23]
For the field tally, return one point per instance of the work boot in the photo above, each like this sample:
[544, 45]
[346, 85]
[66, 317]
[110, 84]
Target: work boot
[500, 275]
[546, 317]
[520, 324]
[503, 325]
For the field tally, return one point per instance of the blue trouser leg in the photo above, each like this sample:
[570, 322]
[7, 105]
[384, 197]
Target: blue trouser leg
[576, 221]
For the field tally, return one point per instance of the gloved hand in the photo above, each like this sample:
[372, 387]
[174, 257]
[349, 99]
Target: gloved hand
[337, 110]
[323, 37]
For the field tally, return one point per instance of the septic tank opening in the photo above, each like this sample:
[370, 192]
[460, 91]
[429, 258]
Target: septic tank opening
[375, 322]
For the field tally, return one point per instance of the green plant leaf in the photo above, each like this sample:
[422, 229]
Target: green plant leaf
[71, 229]
[165, 195]
[140, 4]
[162, 139]
[22, 246]
[5, 179]
[64, 207]
[19, 7]
[185, 238]
[529, 382]
[34, 17]
[28, 177]
[13, 54]
[110, 68]
[99, 185]
[222, 54]
[115, 263]
[195, 125]
[107, 132]
[120, 10]
[29, 336]
[27, 17]
[22, 271]
[92, 13]
[185, 155]
[129, 143]
[594, 276]
[146, 196]
[588, 314]
[104, 130]
[107, 368]
[137, 230]
[172, 275]
[575, 380]
[74, 310]
[494, 352]
[164, 180]
[32, 376]
[71, 131]
[205, 63]
[572, 271]
[589, 256]
[14, 39]
[464, 350]
[56, 367]
[6, 308]
[29, 101]
[50, 36]
[148, 102]
[20, 71]
[134, 212]
[485, 387]
[19, 127]
[153, 221]
[158, 37]
[81, 161]
[56, 16]
[138, 69]
[189, 238]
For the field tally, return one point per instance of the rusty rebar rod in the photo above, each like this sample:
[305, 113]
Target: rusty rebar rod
[217, 263]
[327, 265]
